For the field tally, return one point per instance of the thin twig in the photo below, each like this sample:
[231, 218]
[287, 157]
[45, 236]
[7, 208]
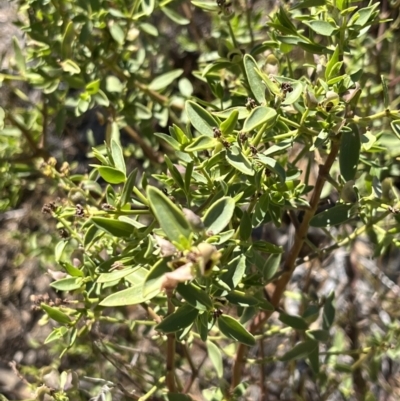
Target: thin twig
[170, 375]
[147, 150]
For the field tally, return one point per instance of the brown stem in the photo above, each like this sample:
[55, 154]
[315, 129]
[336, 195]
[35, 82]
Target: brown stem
[263, 383]
[290, 262]
[27, 134]
[195, 371]
[170, 375]
[147, 150]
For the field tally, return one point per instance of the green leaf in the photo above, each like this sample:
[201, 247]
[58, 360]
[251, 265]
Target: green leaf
[239, 161]
[117, 33]
[245, 226]
[90, 234]
[149, 29]
[154, 278]
[195, 296]
[228, 126]
[333, 216]
[271, 266]
[365, 15]
[257, 85]
[182, 318]
[328, 316]
[59, 250]
[309, 4]
[318, 335]
[231, 328]
[300, 351]
[206, 5]
[297, 322]
[128, 188]
[168, 215]
[243, 112]
[70, 66]
[185, 87]
[116, 275]
[294, 95]
[67, 284]
[241, 299]
[174, 16]
[395, 125]
[273, 165]
[278, 148]
[219, 215]
[67, 40]
[114, 85]
[56, 334]
[201, 119]
[19, 57]
[118, 156]
[93, 87]
[215, 355]
[114, 227]
[236, 269]
[175, 174]
[56, 314]
[202, 142]
[148, 6]
[132, 295]
[258, 116]
[72, 270]
[265, 246]
[333, 60]
[323, 28]
[111, 174]
[162, 81]
[169, 139]
[313, 357]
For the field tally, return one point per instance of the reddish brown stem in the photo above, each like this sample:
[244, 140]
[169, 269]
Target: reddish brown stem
[290, 262]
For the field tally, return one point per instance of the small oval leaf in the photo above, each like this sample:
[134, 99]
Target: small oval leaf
[182, 318]
[333, 216]
[168, 215]
[258, 116]
[349, 153]
[200, 118]
[300, 350]
[256, 84]
[239, 161]
[195, 296]
[296, 322]
[219, 215]
[216, 358]
[202, 142]
[113, 227]
[111, 175]
[231, 328]
[162, 81]
[56, 314]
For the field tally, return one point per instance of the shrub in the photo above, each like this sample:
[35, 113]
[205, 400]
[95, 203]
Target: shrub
[177, 245]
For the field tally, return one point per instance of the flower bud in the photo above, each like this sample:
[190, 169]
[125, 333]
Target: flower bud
[348, 194]
[271, 66]
[193, 219]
